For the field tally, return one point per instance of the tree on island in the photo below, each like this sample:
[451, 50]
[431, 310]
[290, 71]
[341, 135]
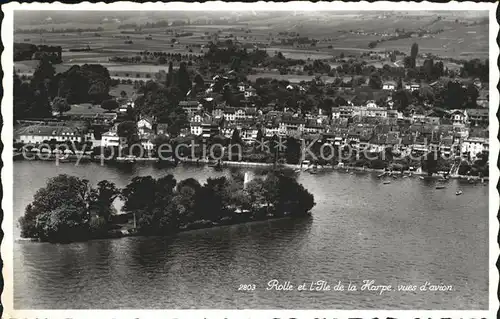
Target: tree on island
[102, 198]
[69, 209]
[61, 211]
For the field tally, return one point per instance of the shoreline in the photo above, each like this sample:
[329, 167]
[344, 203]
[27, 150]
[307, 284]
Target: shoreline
[122, 233]
[97, 159]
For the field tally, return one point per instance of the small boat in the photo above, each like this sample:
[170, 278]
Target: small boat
[313, 172]
[387, 182]
[440, 187]
[381, 175]
[394, 176]
[421, 177]
[459, 192]
[297, 170]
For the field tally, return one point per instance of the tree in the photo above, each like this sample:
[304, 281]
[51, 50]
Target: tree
[109, 105]
[183, 81]
[60, 190]
[170, 74]
[84, 84]
[292, 151]
[413, 54]
[198, 80]
[375, 81]
[44, 73]
[24, 99]
[123, 94]
[62, 224]
[98, 92]
[128, 130]
[60, 105]
[139, 195]
[102, 197]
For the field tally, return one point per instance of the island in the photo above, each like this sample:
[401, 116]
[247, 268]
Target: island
[70, 209]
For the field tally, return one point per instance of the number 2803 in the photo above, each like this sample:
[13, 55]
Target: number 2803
[247, 287]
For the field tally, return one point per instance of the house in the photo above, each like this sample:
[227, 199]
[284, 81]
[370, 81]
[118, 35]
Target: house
[210, 128]
[389, 86]
[313, 127]
[458, 117]
[477, 83]
[342, 112]
[145, 125]
[446, 146]
[162, 129]
[412, 87]
[291, 126]
[474, 146]
[190, 106]
[249, 134]
[36, 134]
[370, 104]
[271, 130]
[373, 112]
[249, 92]
[478, 117]
[111, 139]
[483, 99]
[395, 114]
[232, 114]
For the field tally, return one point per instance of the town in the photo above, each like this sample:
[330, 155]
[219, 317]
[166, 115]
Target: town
[409, 106]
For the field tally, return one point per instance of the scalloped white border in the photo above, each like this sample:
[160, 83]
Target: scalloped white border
[7, 178]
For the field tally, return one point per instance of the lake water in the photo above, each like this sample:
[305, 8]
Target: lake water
[406, 232]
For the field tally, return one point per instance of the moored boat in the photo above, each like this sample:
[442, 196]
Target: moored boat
[459, 192]
[440, 187]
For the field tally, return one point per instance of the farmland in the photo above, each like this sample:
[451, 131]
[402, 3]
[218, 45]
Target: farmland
[457, 36]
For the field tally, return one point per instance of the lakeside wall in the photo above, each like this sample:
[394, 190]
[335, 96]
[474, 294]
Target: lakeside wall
[71, 158]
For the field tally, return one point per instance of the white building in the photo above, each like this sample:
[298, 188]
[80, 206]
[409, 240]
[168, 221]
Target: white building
[389, 86]
[475, 146]
[110, 139]
[44, 133]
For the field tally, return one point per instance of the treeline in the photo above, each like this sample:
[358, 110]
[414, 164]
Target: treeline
[152, 25]
[404, 35]
[53, 30]
[88, 83]
[228, 53]
[68, 208]
[155, 57]
[26, 51]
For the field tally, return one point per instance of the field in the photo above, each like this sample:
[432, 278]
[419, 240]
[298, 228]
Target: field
[347, 32]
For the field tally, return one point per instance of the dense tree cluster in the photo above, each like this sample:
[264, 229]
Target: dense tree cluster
[83, 84]
[162, 102]
[79, 84]
[26, 51]
[228, 52]
[68, 208]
